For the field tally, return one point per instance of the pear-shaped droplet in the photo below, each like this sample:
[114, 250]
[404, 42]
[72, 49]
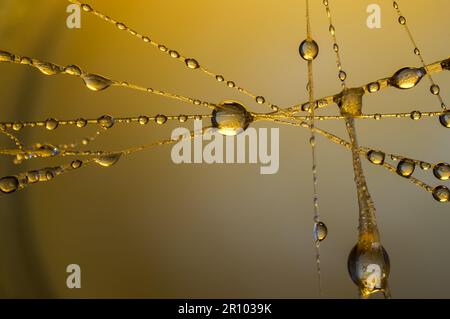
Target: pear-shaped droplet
[51, 124]
[192, 63]
[442, 171]
[407, 78]
[342, 75]
[48, 68]
[308, 50]
[96, 82]
[416, 115]
[121, 26]
[320, 231]
[369, 266]
[406, 167]
[441, 194]
[416, 51]
[106, 121]
[231, 118]
[445, 119]
[332, 30]
[108, 160]
[376, 157]
[9, 184]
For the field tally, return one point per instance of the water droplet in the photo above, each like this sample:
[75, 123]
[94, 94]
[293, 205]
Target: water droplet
[174, 54]
[377, 116]
[161, 119]
[407, 78]
[192, 63]
[17, 126]
[320, 232]
[9, 184]
[81, 123]
[325, 2]
[369, 266]
[342, 75]
[32, 176]
[425, 166]
[376, 157]
[373, 87]
[445, 119]
[332, 30]
[26, 60]
[220, 78]
[106, 121]
[395, 5]
[402, 20]
[275, 108]
[335, 47]
[441, 194]
[146, 39]
[46, 150]
[231, 84]
[406, 167]
[108, 160]
[76, 164]
[182, 118]
[162, 48]
[72, 70]
[121, 26]
[143, 120]
[197, 102]
[260, 100]
[48, 68]
[231, 118]
[6, 56]
[416, 115]
[96, 82]
[308, 50]
[416, 51]
[86, 7]
[442, 171]
[435, 89]
[51, 124]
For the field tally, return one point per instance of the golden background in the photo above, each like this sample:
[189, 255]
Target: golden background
[149, 228]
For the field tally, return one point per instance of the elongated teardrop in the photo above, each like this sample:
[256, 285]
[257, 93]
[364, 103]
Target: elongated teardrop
[407, 78]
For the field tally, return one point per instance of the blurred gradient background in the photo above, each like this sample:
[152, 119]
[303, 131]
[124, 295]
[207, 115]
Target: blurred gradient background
[147, 228]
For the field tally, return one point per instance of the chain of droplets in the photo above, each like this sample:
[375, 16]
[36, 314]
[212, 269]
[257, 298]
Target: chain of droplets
[92, 81]
[405, 168]
[405, 78]
[13, 183]
[310, 88]
[342, 75]
[191, 63]
[434, 88]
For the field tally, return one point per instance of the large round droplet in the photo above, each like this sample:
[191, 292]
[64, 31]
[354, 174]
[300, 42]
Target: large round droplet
[231, 118]
[376, 157]
[143, 119]
[406, 167]
[407, 78]
[442, 171]
[161, 119]
[9, 184]
[308, 50]
[96, 82]
[108, 160]
[441, 194]
[445, 119]
[320, 231]
[106, 121]
[369, 266]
